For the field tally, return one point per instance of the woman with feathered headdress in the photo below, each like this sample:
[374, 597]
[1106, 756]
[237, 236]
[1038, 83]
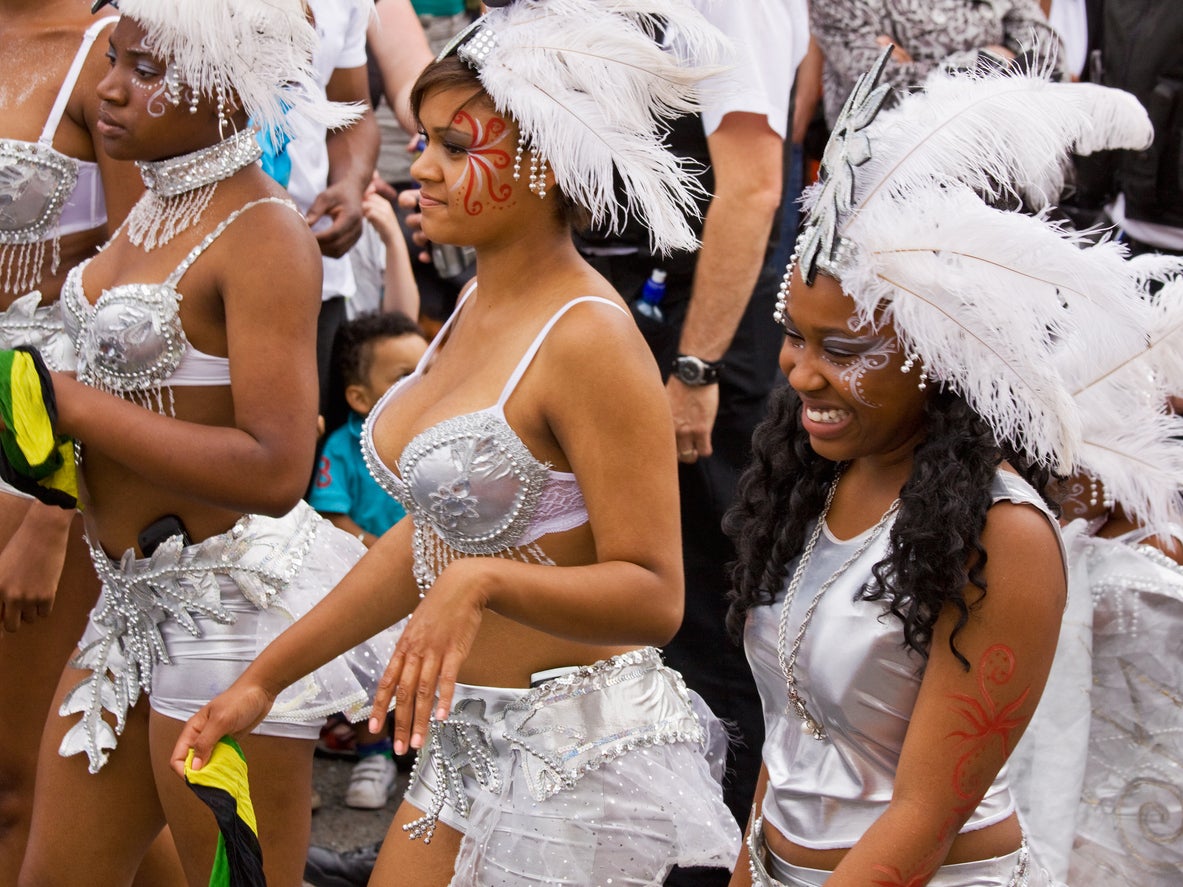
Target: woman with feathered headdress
[901, 577]
[531, 450]
[194, 413]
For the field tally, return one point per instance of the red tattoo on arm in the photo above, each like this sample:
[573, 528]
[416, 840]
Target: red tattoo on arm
[484, 159]
[988, 719]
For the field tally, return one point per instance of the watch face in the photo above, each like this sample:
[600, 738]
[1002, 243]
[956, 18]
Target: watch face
[689, 370]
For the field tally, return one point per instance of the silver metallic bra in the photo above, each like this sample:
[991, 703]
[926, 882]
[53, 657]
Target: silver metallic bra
[471, 485]
[130, 341]
[36, 181]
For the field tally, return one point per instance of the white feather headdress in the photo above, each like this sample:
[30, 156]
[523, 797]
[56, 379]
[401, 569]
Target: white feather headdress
[259, 50]
[590, 87]
[1042, 329]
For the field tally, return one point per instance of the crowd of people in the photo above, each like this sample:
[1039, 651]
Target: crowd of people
[866, 570]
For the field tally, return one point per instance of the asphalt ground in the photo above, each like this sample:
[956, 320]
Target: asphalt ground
[339, 827]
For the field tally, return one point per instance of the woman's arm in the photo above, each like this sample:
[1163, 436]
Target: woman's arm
[31, 563]
[741, 876]
[966, 723]
[262, 463]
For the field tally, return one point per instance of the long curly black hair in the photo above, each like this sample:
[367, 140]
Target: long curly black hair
[935, 550]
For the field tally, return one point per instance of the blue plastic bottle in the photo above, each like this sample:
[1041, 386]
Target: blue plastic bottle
[649, 302]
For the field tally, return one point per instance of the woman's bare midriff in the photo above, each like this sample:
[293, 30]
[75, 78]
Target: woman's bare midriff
[994, 840]
[119, 502]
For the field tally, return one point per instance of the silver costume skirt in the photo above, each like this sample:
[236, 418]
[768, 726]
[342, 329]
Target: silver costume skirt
[1016, 869]
[183, 624]
[609, 774]
[27, 322]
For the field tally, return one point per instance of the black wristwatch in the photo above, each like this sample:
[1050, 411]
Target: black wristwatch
[695, 372]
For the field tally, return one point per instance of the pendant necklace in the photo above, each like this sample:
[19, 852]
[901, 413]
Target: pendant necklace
[796, 702]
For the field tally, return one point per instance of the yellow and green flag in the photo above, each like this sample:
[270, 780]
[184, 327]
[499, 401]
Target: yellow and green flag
[222, 784]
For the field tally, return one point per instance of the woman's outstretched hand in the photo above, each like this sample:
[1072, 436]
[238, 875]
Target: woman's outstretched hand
[423, 669]
[235, 713]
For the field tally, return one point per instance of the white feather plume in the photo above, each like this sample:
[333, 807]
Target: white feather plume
[999, 133]
[590, 88]
[259, 50]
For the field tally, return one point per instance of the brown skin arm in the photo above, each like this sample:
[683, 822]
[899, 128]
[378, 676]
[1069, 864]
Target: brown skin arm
[747, 158]
[741, 876]
[270, 305]
[966, 724]
[31, 564]
[397, 41]
[353, 151]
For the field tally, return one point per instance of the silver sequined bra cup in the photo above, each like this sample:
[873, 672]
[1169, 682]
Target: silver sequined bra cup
[469, 483]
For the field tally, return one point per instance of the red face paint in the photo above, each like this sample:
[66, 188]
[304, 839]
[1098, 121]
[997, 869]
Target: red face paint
[480, 181]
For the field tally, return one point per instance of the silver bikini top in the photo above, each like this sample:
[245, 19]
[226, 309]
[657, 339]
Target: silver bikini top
[130, 341]
[470, 484]
[862, 684]
[39, 185]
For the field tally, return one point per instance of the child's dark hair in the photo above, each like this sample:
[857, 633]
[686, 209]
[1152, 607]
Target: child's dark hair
[353, 354]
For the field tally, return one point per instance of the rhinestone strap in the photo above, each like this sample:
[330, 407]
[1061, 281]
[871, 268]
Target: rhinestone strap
[796, 702]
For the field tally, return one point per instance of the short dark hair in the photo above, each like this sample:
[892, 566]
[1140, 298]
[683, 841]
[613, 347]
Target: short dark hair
[353, 348]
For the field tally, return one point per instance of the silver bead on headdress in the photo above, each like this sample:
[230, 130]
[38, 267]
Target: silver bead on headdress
[1033, 323]
[591, 86]
[256, 53]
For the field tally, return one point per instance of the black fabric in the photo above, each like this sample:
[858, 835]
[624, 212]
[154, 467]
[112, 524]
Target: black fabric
[243, 852]
[1138, 46]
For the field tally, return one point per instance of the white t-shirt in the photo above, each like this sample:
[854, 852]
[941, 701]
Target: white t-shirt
[770, 37]
[341, 33]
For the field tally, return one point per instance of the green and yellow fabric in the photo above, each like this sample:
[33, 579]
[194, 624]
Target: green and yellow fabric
[34, 458]
[223, 785]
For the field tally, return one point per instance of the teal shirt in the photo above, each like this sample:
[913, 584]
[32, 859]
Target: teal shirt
[438, 7]
[344, 485]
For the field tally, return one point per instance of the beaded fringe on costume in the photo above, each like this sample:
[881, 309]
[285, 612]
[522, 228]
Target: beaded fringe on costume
[432, 555]
[156, 220]
[21, 263]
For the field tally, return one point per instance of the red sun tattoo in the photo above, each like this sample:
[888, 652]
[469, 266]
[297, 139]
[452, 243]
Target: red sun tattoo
[987, 718]
[479, 179]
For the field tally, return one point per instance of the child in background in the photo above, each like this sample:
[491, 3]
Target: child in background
[370, 354]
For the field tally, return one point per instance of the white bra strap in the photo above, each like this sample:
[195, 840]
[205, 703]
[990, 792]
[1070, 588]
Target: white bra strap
[67, 87]
[175, 277]
[442, 332]
[524, 363]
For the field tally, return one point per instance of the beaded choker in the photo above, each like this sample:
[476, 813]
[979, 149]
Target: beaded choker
[180, 188]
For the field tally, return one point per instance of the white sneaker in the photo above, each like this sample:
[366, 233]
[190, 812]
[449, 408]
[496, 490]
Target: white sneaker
[370, 783]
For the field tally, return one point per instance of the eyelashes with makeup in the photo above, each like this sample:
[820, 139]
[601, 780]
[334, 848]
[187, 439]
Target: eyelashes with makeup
[449, 146]
[837, 356]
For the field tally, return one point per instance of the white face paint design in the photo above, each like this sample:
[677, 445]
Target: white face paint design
[158, 101]
[857, 357]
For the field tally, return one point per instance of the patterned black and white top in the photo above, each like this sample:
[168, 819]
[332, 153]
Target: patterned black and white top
[932, 32]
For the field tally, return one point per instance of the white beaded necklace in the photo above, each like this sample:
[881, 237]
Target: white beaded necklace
[796, 703]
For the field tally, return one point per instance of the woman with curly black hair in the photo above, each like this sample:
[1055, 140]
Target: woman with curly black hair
[901, 580]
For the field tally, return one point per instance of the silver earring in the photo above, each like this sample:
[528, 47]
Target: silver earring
[922, 380]
[909, 362]
[220, 90]
[537, 175]
[172, 85]
[517, 163]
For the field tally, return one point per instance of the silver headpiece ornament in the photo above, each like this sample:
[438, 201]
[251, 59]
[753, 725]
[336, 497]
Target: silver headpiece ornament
[1047, 332]
[591, 85]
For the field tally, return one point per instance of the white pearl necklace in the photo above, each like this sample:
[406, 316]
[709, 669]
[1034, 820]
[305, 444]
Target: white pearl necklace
[796, 702]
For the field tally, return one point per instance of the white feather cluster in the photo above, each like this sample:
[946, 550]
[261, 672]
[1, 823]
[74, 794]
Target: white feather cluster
[590, 88]
[1048, 333]
[257, 50]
